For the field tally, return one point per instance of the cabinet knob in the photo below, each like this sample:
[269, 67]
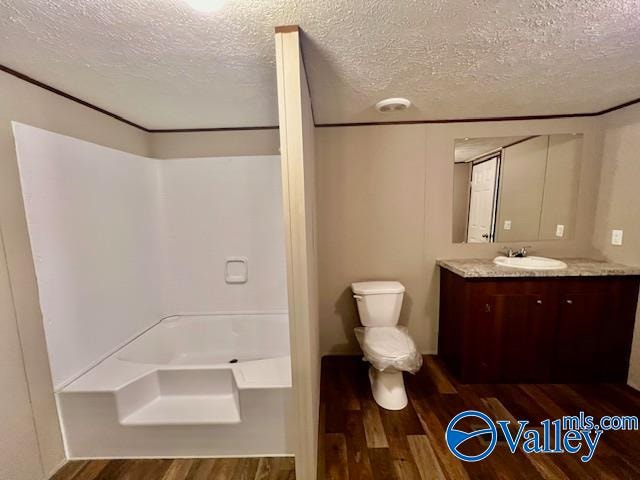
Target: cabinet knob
[570, 302]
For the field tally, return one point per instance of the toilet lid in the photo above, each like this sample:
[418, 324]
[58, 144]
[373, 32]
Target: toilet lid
[390, 342]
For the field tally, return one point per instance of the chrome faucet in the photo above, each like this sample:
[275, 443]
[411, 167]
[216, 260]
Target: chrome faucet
[520, 252]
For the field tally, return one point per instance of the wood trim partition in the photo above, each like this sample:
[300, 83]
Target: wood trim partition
[298, 172]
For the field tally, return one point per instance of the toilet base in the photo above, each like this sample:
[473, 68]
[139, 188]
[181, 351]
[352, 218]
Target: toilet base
[388, 389]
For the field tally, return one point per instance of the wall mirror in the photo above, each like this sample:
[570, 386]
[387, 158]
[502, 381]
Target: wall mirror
[514, 189]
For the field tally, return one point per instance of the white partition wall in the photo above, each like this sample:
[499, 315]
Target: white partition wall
[121, 241]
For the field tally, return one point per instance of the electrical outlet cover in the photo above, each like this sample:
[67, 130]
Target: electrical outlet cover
[616, 237]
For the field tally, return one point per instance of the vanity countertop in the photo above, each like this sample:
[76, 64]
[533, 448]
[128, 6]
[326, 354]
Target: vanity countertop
[576, 267]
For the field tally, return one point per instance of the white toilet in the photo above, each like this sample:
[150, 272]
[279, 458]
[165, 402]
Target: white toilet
[388, 347]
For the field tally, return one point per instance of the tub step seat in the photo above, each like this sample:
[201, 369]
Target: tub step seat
[186, 410]
[179, 397]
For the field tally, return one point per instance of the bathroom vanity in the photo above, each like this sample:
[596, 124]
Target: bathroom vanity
[500, 324]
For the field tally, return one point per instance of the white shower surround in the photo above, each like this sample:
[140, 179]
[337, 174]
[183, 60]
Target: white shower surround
[121, 242]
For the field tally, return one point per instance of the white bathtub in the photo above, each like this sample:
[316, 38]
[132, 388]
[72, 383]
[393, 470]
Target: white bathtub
[207, 385]
[211, 340]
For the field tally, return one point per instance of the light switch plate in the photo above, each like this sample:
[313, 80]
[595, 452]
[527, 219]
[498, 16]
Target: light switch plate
[616, 237]
[507, 224]
[559, 230]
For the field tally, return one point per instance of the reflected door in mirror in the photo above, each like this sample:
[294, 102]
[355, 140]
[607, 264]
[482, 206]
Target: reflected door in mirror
[482, 201]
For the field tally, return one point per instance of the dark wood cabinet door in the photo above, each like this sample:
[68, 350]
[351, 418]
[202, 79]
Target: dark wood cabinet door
[510, 324]
[579, 341]
[521, 328]
[528, 322]
[595, 328]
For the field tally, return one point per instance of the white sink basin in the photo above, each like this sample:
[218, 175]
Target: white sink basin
[530, 263]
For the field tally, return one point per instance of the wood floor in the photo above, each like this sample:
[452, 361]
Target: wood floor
[180, 469]
[359, 440]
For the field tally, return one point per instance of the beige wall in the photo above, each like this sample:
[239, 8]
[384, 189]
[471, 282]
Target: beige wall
[385, 204]
[30, 444]
[461, 193]
[619, 203]
[371, 191]
[561, 186]
[522, 176]
[214, 144]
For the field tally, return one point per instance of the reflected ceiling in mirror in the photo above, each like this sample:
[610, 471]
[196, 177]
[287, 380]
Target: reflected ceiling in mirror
[516, 188]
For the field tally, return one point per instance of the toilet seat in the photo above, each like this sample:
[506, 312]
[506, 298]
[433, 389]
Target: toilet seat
[389, 347]
[388, 342]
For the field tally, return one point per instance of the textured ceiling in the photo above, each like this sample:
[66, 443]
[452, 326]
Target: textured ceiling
[163, 65]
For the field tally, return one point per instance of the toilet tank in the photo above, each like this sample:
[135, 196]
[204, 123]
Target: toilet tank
[379, 303]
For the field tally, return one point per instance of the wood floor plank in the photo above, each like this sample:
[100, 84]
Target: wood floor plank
[156, 470]
[425, 458]
[382, 464]
[399, 445]
[223, 469]
[245, 469]
[348, 389]
[139, 469]
[406, 469]
[178, 469]
[551, 408]
[265, 470]
[200, 468]
[409, 420]
[374, 431]
[336, 462]
[112, 470]
[69, 469]
[278, 468]
[421, 383]
[542, 463]
[357, 451]
[335, 414]
[91, 470]
[434, 430]
[440, 378]
[285, 468]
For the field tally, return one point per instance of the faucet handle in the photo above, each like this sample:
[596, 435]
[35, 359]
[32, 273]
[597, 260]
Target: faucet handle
[508, 251]
[525, 250]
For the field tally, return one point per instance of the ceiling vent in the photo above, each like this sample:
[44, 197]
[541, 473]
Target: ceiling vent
[392, 105]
